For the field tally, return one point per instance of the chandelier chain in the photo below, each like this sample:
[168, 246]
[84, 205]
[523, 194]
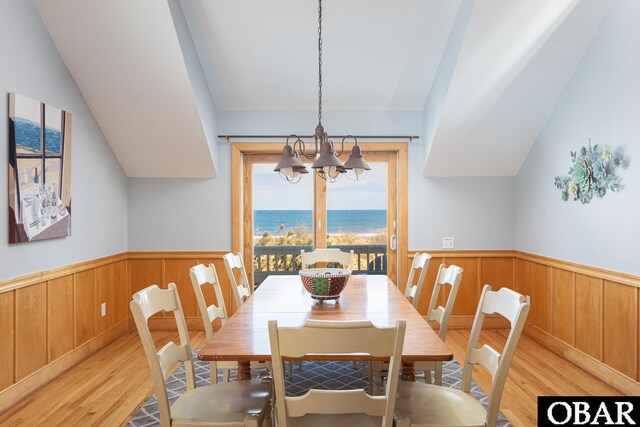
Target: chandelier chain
[326, 162]
[319, 61]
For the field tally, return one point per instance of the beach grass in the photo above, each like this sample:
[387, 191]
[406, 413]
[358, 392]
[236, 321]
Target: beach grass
[301, 237]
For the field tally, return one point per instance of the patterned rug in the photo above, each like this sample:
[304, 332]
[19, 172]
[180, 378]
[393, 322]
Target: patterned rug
[318, 375]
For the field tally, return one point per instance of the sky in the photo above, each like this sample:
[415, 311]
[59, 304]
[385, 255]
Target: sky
[271, 192]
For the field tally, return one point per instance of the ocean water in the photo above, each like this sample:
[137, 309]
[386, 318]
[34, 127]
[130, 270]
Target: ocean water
[28, 136]
[338, 221]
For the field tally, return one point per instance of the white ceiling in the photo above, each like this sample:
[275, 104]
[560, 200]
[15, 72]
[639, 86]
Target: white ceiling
[513, 64]
[126, 59]
[152, 70]
[377, 54]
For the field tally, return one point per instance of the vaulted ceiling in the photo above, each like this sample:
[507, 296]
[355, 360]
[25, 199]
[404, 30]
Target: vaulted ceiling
[512, 64]
[127, 61]
[378, 54]
[486, 73]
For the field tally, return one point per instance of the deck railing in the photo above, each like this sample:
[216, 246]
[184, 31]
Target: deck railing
[269, 260]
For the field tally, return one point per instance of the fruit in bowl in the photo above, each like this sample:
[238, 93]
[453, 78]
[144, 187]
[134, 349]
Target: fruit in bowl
[325, 283]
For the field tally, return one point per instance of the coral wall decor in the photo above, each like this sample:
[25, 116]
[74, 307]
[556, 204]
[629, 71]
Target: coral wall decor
[594, 171]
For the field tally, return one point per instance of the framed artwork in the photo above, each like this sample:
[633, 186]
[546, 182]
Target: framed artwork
[39, 170]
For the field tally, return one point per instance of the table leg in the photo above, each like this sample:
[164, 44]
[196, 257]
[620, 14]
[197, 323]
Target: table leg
[408, 372]
[244, 371]
[377, 382]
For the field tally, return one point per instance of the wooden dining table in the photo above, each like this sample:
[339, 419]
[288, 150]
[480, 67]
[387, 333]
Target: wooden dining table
[245, 338]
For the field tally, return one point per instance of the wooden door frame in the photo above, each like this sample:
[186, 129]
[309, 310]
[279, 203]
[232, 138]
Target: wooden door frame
[239, 186]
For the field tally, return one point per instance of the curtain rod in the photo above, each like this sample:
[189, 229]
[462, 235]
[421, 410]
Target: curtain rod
[229, 137]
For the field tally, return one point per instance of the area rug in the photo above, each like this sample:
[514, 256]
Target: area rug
[318, 375]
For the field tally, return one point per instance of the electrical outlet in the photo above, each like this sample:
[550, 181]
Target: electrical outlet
[103, 309]
[448, 243]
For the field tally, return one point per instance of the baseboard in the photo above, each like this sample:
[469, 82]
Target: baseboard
[490, 322]
[14, 393]
[596, 368]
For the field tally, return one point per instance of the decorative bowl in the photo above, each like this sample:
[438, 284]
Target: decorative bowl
[324, 283]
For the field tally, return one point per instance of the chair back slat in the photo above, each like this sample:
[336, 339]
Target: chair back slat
[318, 337]
[214, 313]
[414, 290]
[145, 303]
[335, 402]
[336, 337]
[154, 300]
[486, 356]
[334, 255]
[241, 291]
[512, 306]
[207, 276]
[411, 292]
[171, 354]
[447, 276]
[504, 302]
[436, 315]
[202, 274]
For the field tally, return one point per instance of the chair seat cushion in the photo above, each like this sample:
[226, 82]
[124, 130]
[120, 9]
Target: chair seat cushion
[222, 403]
[432, 405]
[346, 420]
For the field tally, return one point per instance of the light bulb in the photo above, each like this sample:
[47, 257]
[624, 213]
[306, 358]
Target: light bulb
[287, 172]
[360, 173]
[330, 171]
[294, 178]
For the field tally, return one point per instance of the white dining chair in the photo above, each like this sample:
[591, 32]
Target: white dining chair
[201, 277]
[447, 276]
[241, 291]
[414, 290]
[335, 408]
[242, 403]
[332, 255]
[422, 405]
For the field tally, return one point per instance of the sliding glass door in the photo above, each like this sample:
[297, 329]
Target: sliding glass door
[358, 217]
[280, 219]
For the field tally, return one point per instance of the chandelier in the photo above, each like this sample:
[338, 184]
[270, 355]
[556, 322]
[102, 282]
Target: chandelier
[326, 164]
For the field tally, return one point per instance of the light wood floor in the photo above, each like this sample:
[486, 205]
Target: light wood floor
[107, 388]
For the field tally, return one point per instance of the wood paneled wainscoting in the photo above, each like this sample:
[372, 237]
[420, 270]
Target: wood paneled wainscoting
[161, 268]
[587, 315]
[51, 320]
[480, 267]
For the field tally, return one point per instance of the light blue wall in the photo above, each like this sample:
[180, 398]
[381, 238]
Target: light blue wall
[32, 67]
[478, 212]
[182, 214]
[601, 102]
[335, 122]
[196, 214]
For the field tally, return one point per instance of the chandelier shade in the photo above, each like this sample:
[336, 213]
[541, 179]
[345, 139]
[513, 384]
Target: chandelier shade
[290, 167]
[357, 164]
